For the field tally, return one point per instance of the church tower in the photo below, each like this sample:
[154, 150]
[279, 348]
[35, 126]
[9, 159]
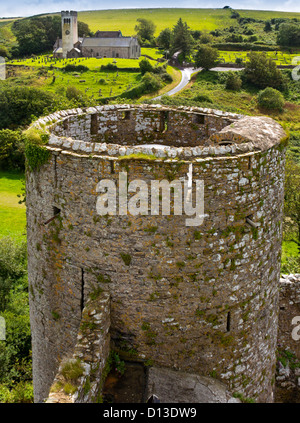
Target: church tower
[69, 31]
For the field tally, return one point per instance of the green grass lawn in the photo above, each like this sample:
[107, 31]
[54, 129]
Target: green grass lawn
[95, 83]
[12, 214]
[92, 63]
[46, 60]
[290, 252]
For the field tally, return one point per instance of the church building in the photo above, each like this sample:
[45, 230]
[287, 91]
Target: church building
[103, 44]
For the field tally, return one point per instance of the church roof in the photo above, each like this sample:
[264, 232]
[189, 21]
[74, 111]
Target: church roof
[108, 34]
[107, 42]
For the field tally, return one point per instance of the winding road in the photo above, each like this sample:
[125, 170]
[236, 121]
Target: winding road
[186, 74]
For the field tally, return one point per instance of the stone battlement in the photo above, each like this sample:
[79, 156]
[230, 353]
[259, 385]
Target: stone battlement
[124, 130]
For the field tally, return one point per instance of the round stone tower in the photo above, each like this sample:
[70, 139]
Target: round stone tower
[192, 270]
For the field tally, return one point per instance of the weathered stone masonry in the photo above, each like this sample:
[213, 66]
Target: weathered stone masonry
[199, 299]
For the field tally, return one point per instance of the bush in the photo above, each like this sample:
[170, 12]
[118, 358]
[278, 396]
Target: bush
[15, 352]
[11, 149]
[109, 67]
[203, 99]
[271, 99]
[22, 393]
[77, 97]
[233, 81]
[166, 77]
[4, 52]
[145, 66]
[151, 83]
[20, 104]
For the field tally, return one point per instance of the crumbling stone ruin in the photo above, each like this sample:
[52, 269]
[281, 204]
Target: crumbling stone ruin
[199, 299]
[288, 344]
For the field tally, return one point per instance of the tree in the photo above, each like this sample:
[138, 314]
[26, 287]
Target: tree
[84, 30]
[4, 52]
[262, 71]
[145, 29]
[164, 39]
[19, 104]
[271, 99]
[182, 39]
[289, 35]
[206, 57]
[205, 38]
[145, 66]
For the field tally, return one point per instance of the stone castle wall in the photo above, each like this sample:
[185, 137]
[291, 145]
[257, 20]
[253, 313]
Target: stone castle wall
[199, 299]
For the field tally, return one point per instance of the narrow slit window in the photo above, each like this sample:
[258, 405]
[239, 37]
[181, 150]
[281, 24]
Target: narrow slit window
[82, 290]
[94, 124]
[126, 115]
[55, 171]
[228, 322]
[66, 124]
[199, 119]
[249, 163]
[56, 212]
[112, 166]
[164, 120]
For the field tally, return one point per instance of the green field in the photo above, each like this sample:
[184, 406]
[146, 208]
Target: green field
[267, 14]
[95, 82]
[280, 57]
[12, 214]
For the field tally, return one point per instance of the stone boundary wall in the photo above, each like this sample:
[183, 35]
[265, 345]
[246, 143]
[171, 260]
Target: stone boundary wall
[91, 354]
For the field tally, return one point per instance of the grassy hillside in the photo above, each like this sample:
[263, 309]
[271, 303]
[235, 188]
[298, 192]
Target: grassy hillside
[7, 38]
[208, 19]
[125, 20]
[268, 14]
